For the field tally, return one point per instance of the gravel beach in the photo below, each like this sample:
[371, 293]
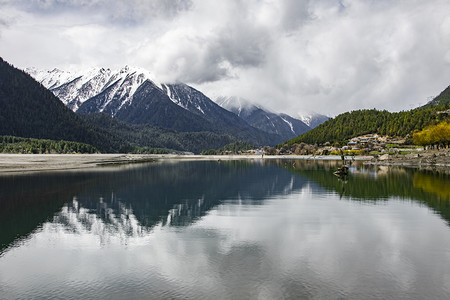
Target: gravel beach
[20, 163]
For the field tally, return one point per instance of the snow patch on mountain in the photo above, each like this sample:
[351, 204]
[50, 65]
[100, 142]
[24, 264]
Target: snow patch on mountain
[50, 78]
[264, 119]
[188, 98]
[237, 105]
[175, 97]
[73, 88]
[290, 124]
[306, 119]
[312, 119]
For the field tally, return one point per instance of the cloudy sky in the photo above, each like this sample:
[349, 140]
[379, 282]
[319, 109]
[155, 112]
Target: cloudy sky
[294, 56]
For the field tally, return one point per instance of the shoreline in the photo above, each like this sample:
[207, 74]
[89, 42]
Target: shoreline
[30, 163]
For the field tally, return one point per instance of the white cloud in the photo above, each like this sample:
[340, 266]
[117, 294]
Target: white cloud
[327, 56]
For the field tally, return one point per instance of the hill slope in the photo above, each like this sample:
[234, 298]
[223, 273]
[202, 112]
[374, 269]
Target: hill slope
[279, 124]
[225, 121]
[144, 135]
[27, 109]
[313, 120]
[360, 122]
[442, 99]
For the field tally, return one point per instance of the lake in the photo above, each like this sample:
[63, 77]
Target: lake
[277, 229]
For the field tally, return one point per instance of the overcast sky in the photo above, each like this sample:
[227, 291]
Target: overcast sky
[293, 56]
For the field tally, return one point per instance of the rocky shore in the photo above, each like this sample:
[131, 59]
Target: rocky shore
[21, 163]
[427, 158]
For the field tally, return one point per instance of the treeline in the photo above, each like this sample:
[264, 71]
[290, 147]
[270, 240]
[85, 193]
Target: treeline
[128, 136]
[433, 135]
[143, 150]
[233, 148]
[12, 144]
[360, 122]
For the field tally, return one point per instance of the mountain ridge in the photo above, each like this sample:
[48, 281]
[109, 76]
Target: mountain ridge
[280, 124]
[131, 95]
[28, 109]
[370, 121]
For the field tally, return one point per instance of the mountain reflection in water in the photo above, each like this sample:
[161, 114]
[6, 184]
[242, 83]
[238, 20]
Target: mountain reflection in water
[233, 229]
[375, 183]
[135, 199]
[130, 201]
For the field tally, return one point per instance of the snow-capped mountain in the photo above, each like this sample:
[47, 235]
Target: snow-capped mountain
[127, 93]
[75, 88]
[189, 98]
[313, 120]
[132, 95]
[198, 103]
[280, 124]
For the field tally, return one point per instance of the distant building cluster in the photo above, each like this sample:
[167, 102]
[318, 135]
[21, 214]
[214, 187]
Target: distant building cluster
[365, 144]
[373, 142]
[366, 141]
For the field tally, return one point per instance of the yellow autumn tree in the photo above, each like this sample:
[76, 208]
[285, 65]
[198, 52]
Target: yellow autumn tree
[438, 134]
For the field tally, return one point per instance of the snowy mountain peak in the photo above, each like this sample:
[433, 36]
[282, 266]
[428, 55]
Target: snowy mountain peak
[313, 119]
[237, 104]
[50, 78]
[306, 119]
[189, 98]
[264, 119]
[76, 87]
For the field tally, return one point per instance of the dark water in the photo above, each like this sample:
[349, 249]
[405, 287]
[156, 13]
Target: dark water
[226, 230]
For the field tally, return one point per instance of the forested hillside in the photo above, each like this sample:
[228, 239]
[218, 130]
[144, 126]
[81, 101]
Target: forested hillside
[360, 122]
[143, 135]
[11, 144]
[27, 109]
[442, 99]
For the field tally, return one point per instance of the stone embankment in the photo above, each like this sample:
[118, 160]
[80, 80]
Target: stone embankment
[427, 158]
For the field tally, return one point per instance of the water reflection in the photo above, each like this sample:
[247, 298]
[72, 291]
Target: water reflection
[136, 199]
[28, 201]
[238, 229]
[432, 183]
[133, 200]
[378, 183]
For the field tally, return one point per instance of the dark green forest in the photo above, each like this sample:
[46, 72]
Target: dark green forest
[27, 109]
[369, 121]
[11, 144]
[144, 135]
[233, 148]
[360, 122]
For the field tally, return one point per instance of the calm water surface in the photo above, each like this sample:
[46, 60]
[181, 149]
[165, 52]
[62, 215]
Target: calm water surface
[226, 230]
